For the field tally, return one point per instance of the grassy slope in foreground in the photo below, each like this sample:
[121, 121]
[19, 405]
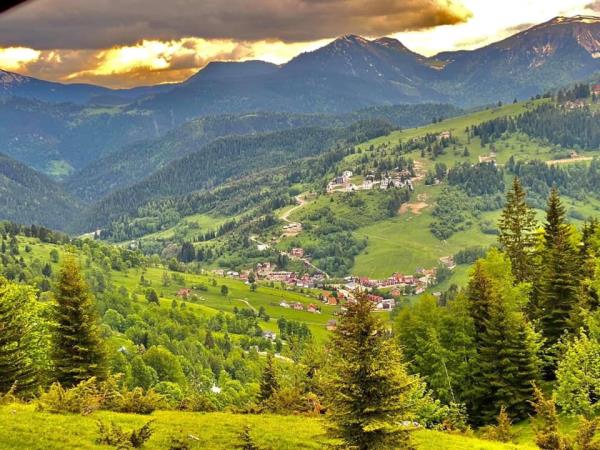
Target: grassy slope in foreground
[22, 427]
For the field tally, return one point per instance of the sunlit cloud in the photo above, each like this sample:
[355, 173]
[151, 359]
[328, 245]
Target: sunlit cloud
[13, 58]
[492, 21]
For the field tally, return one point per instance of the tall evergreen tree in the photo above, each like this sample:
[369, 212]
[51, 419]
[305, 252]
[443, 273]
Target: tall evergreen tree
[506, 362]
[557, 288]
[78, 348]
[517, 232]
[369, 388]
[268, 383]
[16, 365]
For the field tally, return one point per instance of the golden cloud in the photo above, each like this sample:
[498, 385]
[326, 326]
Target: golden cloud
[147, 62]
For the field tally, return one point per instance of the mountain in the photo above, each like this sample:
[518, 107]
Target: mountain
[558, 52]
[27, 196]
[15, 85]
[352, 72]
[348, 74]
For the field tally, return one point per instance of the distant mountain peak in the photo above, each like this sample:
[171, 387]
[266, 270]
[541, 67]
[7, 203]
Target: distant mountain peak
[559, 20]
[352, 38]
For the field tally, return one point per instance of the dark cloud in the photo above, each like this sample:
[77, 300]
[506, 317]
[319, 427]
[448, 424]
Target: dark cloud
[96, 24]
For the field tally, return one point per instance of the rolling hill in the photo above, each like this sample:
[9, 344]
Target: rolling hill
[27, 196]
[131, 163]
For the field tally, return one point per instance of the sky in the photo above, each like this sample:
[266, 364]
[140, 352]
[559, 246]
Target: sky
[125, 43]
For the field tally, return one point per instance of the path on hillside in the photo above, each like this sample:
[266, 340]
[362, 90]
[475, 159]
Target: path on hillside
[247, 304]
[286, 214]
[569, 160]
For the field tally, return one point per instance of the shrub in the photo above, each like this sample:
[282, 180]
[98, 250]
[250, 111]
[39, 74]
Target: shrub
[198, 403]
[112, 434]
[171, 392]
[246, 441]
[83, 398]
[138, 401]
[503, 430]
[90, 395]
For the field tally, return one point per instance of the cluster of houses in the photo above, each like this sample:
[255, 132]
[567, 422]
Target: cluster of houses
[394, 179]
[401, 284]
[297, 306]
[269, 272]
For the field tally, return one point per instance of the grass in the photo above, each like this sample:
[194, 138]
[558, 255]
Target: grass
[22, 427]
[189, 227]
[59, 169]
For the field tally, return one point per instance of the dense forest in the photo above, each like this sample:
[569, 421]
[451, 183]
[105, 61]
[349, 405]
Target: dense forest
[28, 196]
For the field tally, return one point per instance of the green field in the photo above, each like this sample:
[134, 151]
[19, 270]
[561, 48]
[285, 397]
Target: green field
[22, 427]
[189, 227]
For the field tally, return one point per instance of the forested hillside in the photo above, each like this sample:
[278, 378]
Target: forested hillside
[129, 164]
[27, 196]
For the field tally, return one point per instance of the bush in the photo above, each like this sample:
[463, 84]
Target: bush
[112, 434]
[503, 430]
[139, 401]
[198, 403]
[171, 392]
[91, 395]
[82, 399]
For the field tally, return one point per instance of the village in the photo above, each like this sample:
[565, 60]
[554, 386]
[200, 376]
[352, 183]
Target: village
[383, 293]
[394, 179]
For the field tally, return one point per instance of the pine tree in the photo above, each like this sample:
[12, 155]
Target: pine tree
[78, 349]
[16, 367]
[557, 288]
[209, 340]
[268, 383]
[517, 232]
[506, 362]
[368, 388]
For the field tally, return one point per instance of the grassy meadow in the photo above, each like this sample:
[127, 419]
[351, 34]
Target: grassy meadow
[21, 426]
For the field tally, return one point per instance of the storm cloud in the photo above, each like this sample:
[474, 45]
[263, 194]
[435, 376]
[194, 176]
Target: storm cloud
[100, 24]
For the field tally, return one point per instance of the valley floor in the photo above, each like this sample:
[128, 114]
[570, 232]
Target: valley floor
[22, 427]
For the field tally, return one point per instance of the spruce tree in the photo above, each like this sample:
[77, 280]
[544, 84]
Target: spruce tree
[16, 366]
[557, 287]
[506, 362]
[368, 387]
[78, 348]
[268, 383]
[517, 232]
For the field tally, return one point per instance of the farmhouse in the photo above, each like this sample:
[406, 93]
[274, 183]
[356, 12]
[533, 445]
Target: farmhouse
[331, 325]
[297, 252]
[312, 308]
[448, 261]
[269, 335]
[298, 306]
[444, 135]
[386, 304]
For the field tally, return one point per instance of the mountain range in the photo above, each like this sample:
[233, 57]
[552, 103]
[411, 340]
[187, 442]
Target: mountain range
[95, 142]
[353, 72]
